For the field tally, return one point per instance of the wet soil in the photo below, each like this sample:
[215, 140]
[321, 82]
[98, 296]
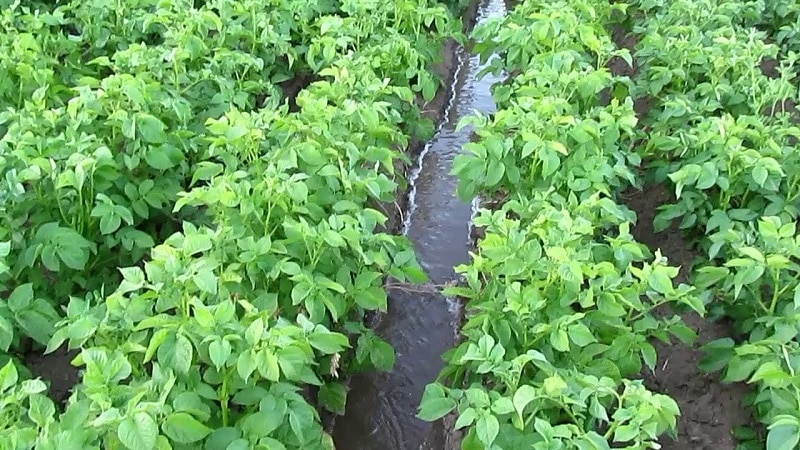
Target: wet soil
[710, 410]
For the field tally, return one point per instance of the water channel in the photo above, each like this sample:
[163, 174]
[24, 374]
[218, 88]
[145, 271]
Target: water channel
[381, 407]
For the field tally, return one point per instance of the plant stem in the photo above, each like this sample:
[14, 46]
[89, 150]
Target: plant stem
[224, 400]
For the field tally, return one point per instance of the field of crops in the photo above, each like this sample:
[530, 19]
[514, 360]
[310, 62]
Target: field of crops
[193, 214]
[564, 303]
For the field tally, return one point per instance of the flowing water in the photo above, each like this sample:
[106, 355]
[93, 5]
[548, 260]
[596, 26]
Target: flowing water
[381, 407]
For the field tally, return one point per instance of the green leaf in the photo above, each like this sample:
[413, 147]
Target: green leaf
[434, 408]
[20, 298]
[74, 254]
[6, 334]
[771, 374]
[8, 376]
[739, 369]
[268, 365]
[109, 223]
[559, 339]
[625, 433]
[219, 351]
[502, 406]
[649, 355]
[550, 162]
[41, 409]
[333, 396]
[581, 335]
[183, 354]
[245, 365]
[176, 353]
[783, 437]
[466, 418]
[36, 325]
[708, 176]
[163, 157]
[495, 173]
[206, 170]
[660, 281]
[760, 175]
[487, 428]
[197, 243]
[524, 395]
[327, 342]
[373, 298]
[184, 429]
[150, 129]
[221, 438]
[254, 332]
[270, 443]
[138, 432]
[206, 281]
[381, 355]
[300, 291]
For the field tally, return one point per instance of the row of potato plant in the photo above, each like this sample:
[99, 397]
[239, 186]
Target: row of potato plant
[560, 296]
[209, 253]
[723, 134]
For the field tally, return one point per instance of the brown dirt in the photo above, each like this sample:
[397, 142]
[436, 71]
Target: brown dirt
[56, 370]
[620, 67]
[293, 87]
[769, 67]
[710, 410]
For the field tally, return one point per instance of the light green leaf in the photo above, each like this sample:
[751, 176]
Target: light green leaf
[138, 432]
[20, 298]
[783, 437]
[219, 351]
[487, 428]
[184, 429]
[8, 376]
[435, 408]
[581, 335]
[524, 395]
[327, 342]
[196, 243]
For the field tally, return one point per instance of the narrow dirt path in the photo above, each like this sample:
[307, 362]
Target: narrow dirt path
[710, 410]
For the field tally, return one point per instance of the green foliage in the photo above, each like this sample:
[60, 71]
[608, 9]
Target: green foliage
[560, 297]
[209, 254]
[722, 133]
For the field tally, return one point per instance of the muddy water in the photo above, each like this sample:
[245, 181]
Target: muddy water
[422, 325]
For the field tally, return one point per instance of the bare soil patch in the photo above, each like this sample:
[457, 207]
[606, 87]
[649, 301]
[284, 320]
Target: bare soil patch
[55, 369]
